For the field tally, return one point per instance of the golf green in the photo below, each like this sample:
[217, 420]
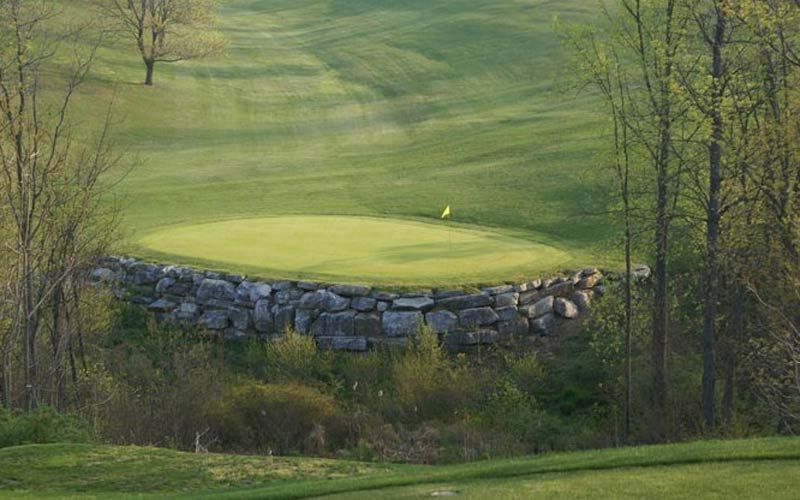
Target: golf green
[346, 248]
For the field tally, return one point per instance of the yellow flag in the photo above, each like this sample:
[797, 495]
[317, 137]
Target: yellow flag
[446, 213]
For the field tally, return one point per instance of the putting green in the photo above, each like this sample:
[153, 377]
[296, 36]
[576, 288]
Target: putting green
[356, 249]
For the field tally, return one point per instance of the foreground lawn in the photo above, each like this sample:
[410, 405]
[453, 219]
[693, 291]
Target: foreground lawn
[762, 468]
[370, 107]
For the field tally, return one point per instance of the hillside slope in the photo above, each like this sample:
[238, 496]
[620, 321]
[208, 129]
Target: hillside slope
[366, 108]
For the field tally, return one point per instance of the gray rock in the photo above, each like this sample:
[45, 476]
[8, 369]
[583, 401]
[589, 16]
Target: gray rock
[387, 343]
[363, 304]
[516, 326]
[507, 313]
[341, 324]
[303, 318]
[565, 308]
[466, 301]
[382, 306]
[284, 317]
[590, 281]
[506, 299]
[259, 291]
[243, 291]
[240, 318]
[164, 283]
[641, 272]
[103, 274]
[216, 290]
[384, 296]
[401, 323]
[307, 285]
[562, 289]
[528, 286]
[214, 320]
[537, 309]
[288, 296]
[280, 286]
[447, 294]
[590, 271]
[350, 290]
[145, 274]
[368, 324]
[526, 298]
[187, 312]
[467, 339]
[498, 290]
[477, 317]
[442, 321]
[413, 304]
[582, 299]
[325, 300]
[263, 319]
[543, 325]
[357, 344]
[162, 305]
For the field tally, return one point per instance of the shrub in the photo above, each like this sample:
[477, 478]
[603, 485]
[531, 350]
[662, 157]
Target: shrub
[292, 356]
[280, 417]
[44, 425]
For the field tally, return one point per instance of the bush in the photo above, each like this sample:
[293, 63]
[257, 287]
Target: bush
[281, 417]
[292, 356]
[44, 425]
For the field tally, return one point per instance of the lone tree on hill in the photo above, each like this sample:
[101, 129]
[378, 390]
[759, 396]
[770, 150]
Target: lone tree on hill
[168, 30]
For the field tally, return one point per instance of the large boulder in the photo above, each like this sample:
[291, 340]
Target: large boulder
[303, 319]
[543, 324]
[506, 299]
[530, 297]
[214, 320]
[363, 304]
[565, 308]
[466, 301]
[324, 300]
[368, 324]
[341, 324]
[188, 312]
[582, 299]
[213, 290]
[507, 313]
[539, 308]
[263, 319]
[442, 321]
[477, 317]
[517, 326]
[351, 290]
[413, 304]
[104, 275]
[284, 317]
[357, 344]
[401, 323]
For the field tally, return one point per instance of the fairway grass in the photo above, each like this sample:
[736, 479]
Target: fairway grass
[372, 250]
[365, 108]
[755, 468]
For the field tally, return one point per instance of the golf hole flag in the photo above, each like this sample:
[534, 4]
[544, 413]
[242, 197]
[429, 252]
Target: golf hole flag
[446, 213]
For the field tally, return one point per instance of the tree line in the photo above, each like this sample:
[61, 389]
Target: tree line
[704, 106]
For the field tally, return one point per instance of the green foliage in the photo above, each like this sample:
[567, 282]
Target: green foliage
[43, 425]
[292, 356]
[282, 417]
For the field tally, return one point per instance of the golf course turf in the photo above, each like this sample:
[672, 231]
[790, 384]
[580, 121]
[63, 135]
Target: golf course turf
[368, 108]
[375, 250]
[754, 468]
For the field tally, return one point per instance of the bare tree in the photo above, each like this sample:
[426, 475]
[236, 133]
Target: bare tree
[51, 213]
[168, 30]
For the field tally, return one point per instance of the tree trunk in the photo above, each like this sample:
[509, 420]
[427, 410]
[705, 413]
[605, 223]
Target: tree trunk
[150, 65]
[713, 223]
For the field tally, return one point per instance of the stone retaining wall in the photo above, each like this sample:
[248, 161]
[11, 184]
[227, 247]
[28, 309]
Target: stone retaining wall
[349, 317]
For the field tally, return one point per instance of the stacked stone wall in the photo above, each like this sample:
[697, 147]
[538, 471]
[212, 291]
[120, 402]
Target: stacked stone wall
[350, 317]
